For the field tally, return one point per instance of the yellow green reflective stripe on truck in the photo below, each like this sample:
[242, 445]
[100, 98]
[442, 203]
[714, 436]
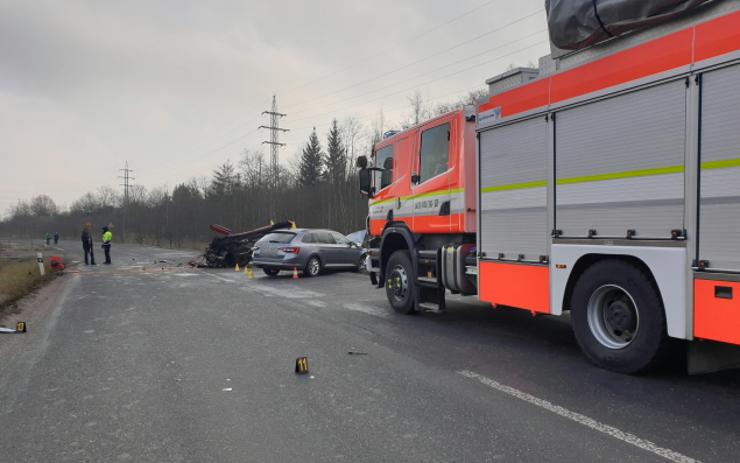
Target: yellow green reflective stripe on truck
[515, 186]
[723, 164]
[621, 175]
[420, 195]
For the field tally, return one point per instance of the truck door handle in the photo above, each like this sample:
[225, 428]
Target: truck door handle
[723, 292]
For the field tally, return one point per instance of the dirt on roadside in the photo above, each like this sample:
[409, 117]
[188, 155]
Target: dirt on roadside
[19, 274]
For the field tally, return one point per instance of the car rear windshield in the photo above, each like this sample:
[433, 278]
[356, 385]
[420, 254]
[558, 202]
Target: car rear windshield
[279, 237]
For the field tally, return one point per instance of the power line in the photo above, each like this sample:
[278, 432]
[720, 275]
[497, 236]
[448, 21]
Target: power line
[422, 84]
[408, 65]
[427, 57]
[412, 38]
[440, 68]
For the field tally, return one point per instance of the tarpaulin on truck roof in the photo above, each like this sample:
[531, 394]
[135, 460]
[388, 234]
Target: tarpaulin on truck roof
[577, 24]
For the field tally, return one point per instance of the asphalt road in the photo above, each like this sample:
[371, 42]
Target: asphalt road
[159, 362]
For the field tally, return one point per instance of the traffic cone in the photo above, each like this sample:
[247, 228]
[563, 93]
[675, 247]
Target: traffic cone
[246, 271]
[236, 269]
[295, 273]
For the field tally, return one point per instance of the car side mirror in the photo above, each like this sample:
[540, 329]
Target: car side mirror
[365, 179]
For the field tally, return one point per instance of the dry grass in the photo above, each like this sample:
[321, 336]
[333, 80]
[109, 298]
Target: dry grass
[18, 277]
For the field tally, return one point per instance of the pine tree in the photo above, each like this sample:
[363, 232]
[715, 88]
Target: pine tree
[336, 158]
[312, 161]
[225, 179]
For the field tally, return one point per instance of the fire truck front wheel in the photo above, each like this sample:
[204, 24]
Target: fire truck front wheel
[400, 282]
[618, 317]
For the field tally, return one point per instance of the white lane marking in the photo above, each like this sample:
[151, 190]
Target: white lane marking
[581, 419]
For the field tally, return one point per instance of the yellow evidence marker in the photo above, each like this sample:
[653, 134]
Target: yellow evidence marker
[20, 327]
[301, 365]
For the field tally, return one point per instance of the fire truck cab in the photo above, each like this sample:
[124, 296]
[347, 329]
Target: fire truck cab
[419, 204]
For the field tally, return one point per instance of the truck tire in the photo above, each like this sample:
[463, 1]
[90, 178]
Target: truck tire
[400, 282]
[618, 318]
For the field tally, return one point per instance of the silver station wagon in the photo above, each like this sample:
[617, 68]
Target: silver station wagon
[310, 251]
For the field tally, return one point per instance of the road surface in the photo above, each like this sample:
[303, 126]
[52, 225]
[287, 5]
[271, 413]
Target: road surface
[156, 362]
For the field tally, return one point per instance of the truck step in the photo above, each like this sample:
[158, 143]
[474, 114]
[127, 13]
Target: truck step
[428, 282]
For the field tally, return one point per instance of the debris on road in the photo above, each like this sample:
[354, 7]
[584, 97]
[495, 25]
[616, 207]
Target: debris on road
[234, 249]
[356, 353]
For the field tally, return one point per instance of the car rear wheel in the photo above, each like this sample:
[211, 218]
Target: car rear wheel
[313, 267]
[400, 283]
[618, 317]
[271, 272]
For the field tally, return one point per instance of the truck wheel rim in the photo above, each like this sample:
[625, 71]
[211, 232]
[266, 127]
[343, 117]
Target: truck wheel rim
[398, 283]
[613, 317]
[313, 266]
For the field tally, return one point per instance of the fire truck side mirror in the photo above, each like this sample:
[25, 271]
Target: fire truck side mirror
[365, 182]
[362, 162]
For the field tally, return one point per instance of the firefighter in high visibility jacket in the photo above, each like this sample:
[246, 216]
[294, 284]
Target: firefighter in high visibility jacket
[107, 237]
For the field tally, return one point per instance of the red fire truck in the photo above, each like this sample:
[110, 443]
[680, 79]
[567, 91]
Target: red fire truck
[605, 184]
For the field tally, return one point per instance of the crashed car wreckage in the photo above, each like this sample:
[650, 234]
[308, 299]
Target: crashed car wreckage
[231, 248]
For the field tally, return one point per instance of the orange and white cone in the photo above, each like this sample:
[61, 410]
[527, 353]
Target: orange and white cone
[295, 273]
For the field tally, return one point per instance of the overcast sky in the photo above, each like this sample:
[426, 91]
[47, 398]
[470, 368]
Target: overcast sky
[177, 87]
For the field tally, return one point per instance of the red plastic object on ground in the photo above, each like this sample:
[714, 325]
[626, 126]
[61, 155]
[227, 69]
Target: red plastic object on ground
[56, 263]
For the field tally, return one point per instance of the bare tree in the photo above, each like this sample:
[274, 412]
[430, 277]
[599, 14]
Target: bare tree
[418, 111]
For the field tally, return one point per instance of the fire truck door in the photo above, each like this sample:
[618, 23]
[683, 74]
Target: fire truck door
[430, 189]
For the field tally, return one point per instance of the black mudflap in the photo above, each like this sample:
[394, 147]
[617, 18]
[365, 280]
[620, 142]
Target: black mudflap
[428, 297]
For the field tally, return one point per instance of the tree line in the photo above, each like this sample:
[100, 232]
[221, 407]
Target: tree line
[318, 190]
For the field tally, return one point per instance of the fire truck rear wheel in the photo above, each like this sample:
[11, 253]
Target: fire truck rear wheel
[400, 283]
[618, 317]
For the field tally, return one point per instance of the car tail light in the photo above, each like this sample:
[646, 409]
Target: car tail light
[290, 250]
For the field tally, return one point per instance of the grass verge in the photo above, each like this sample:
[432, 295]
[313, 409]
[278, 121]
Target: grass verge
[19, 277]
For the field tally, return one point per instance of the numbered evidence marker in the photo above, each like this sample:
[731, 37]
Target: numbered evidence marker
[20, 327]
[301, 365]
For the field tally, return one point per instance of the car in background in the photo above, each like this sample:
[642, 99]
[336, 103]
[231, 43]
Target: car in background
[360, 238]
[308, 250]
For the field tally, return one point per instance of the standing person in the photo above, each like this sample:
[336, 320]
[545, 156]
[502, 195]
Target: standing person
[47, 238]
[87, 244]
[107, 237]
[56, 238]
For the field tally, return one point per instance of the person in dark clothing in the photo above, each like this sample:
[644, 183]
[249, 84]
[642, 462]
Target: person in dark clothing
[56, 238]
[107, 238]
[87, 245]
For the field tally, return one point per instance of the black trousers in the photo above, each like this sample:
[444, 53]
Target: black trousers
[106, 248]
[87, 249]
